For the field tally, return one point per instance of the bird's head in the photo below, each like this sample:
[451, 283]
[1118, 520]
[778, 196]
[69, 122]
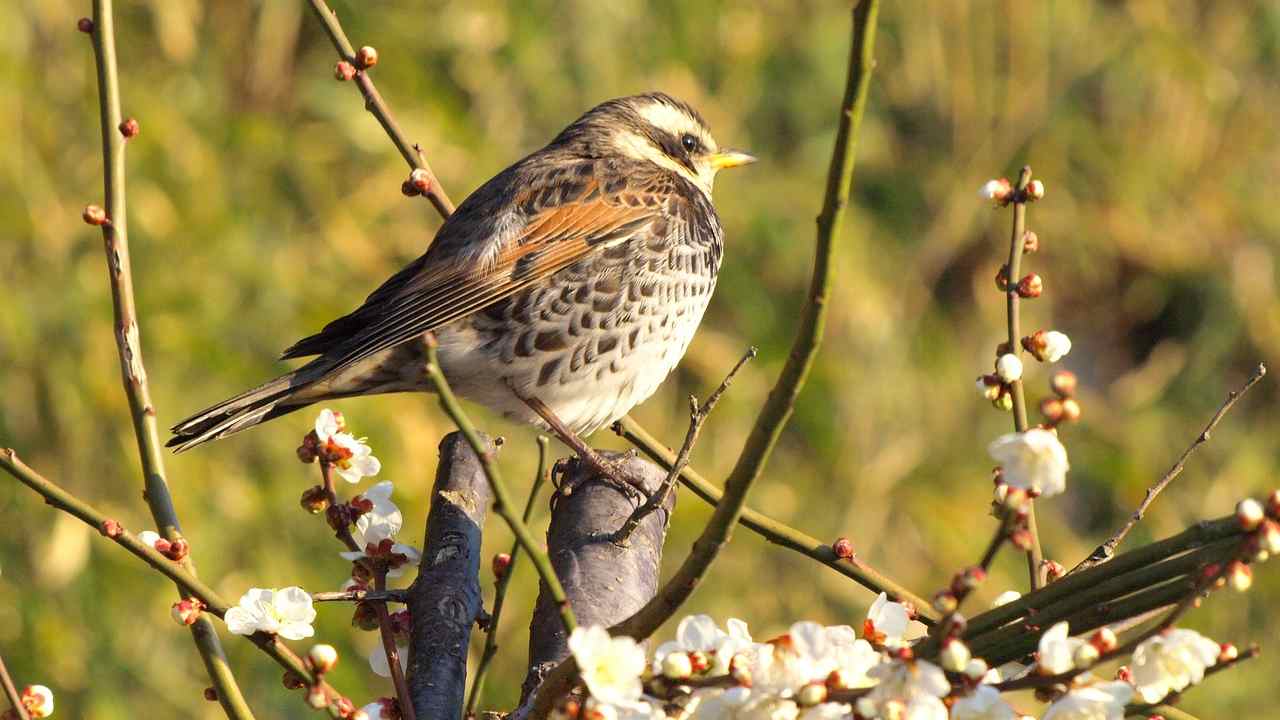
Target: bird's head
[657, 128]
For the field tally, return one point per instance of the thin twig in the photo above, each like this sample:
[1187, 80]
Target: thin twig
[374, 103]
[1035, 556]
[697, 416]
[11, 692]
[1106, 550]
[355, 595]
[781, 402]
[215, 604]
[389, 647]
[774, 531]
[129, 345]
[502, 500]
[500, 586]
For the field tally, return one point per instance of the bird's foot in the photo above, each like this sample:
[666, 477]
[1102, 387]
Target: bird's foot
[613, 472]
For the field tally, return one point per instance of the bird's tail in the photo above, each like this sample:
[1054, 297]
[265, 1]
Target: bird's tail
[272, 399]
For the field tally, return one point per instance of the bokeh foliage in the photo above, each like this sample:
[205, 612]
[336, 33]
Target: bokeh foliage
[264, 202]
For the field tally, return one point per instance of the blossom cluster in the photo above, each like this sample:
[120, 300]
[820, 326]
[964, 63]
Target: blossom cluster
[815, 672]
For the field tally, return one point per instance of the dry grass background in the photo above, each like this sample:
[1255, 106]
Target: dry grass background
[264, 201]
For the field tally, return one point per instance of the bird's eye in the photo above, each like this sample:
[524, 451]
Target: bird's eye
[689, 142]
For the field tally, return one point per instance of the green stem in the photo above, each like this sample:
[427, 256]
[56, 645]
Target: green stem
[502, 500]
[129, 344]
[500, 587]
[778, 408]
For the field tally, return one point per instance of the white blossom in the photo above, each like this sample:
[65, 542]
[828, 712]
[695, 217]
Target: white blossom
[611, 667]
[1034, 460]
[1171, 661]
[893, 621]
[1009, 368]
[1057, 650]
[1056, 346]
[286, 612]
[38, 701]
[996, 191]
[149, 538]
[396, 556]
[1102, 701]
[984, 703]
[740, 703]
[380, 709]
[699, 633]
[909, 689]
[351, 457]
[383, 522]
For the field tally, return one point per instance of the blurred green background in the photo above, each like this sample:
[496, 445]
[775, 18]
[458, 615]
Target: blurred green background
[264, 201]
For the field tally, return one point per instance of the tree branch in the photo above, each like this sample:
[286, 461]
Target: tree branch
[129, 344]
[377, 107]
[445, 599]
[778, 408]
[1107, 550]
[11, 692]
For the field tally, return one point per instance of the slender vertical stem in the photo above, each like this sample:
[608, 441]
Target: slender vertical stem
[1013, 305]
[11, 692]
[500, 587]
[389, 646]
[128, 341]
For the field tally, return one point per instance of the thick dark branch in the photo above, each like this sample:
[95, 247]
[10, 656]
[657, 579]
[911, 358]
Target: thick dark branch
[129, 345]
[604, 582]
[445, 599]
[1107, 550]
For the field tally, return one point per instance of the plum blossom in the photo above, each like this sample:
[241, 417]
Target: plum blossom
[287, 613]
[1057, 650]
[890, 623]
[351, 457]
[1056, 346]
[1171, 661]
[383, 521]
[383, 708]
[984, 703]
[909, 689]
[1101, 701]
[741, 703]
[1009, 368]
[379, 663]
[611, 667]
[699, 633]
[1034, 460]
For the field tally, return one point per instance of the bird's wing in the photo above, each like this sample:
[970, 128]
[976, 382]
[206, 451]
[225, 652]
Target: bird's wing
[430, 294]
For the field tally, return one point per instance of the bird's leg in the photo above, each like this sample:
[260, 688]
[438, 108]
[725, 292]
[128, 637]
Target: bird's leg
[610, 470]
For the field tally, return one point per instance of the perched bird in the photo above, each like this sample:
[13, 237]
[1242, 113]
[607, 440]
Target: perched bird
[565, 288]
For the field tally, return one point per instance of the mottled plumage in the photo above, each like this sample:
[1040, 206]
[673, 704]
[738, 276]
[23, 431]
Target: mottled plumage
[576, 276]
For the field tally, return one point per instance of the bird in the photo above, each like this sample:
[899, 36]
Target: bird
[561, 293]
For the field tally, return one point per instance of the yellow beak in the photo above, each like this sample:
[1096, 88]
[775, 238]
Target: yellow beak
[731, 159]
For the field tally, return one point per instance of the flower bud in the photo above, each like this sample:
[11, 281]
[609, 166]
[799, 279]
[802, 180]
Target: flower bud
[365, 617]
[1250, 514]
[309, 450]
[94, 215]
[317, 698]
[839, 679]
[976, 669]
[945, 602]
[178, 550]
[420, 179]
[1051, 409]
[1009, 368]
[323, 657]
[1030, 242]
[344, 71]
[501, 565]
[1004, 403]
[1002, 278]
[1227, 652]
[342, 708]
[111, 529]
[408, 190]
[292, 681]
[84, 25]
[314, 500]
[954, 656]
[1015, 498]
[997, 191]
[186, 611]
[359, 714]
[1030, 286]
[677, 666]
[1021, 539]
[1085, 656]
[1063, 383]
[1273, 504]
[968, 579]
[1104, 639]
[1047, 345]
[1052, 569]
[38, 701]
[1124, 674]
[1240, 576]
[843, 548]
[1269, 537]
[989, 387]
[129, 128]
[366, 57]
[1070, 410]
[811, 694]
[1034, 191]
[211, 694]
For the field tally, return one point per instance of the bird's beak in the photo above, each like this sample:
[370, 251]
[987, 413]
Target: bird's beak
[731, 159]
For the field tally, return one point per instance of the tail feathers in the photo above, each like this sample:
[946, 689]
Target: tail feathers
[270, 400]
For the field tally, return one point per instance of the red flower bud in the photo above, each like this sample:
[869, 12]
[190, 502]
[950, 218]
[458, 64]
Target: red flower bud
[344, 71]
[129, 128]
[1063, 383]
[1030, 242]
[111, 529]
[501, 565]
[84, 25]
[94, 215]
[843, 548]
[366, 57]
[1030, 286]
